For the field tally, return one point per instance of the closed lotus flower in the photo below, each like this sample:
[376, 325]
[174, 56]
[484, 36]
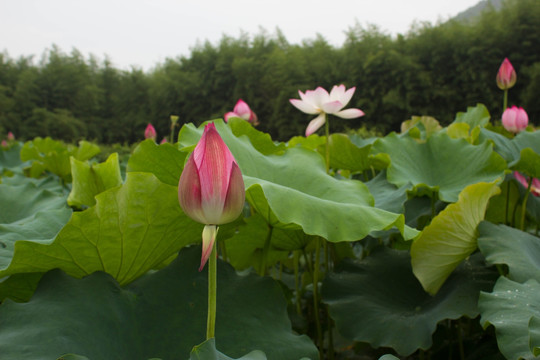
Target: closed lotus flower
[10, 136]
[150, 132]
[515, 119]
[211, 189]
[242, 110]
[320, 102]
[506, 77]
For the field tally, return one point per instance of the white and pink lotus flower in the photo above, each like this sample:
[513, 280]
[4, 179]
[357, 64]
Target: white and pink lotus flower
[320, 102]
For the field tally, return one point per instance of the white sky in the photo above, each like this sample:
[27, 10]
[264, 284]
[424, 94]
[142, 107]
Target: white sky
[144, 33]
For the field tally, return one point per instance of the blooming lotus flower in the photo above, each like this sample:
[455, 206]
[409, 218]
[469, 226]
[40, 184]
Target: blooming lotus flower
[150, 132]
[211, 189]
[319, 101]
[242, 110]
[10, 136]
[515, 119]
[535, 185]
[506, 77]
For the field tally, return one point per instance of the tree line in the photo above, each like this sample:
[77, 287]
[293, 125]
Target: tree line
[433, 70]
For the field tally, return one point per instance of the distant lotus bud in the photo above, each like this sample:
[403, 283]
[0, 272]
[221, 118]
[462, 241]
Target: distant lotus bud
[506, 77]
[10, 136]
[150, 132]
[242, 110]
[515, 119]
[211, 189]
[163, 141]
[4, 144]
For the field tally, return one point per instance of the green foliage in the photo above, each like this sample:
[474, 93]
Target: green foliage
[432, 70]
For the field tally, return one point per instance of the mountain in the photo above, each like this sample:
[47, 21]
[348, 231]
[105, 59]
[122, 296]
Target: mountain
[474, 11]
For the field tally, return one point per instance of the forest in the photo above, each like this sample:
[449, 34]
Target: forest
[434, 69]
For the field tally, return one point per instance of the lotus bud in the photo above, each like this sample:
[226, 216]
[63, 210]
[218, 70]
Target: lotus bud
[506, 77]
[150, 132]
[515, 119]
[211, 188]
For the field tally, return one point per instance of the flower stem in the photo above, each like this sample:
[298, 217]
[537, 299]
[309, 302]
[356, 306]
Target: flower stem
[505, 99]
[296, 259]
[212, 294]
[316, 296]
[524, 204]
[327, 133]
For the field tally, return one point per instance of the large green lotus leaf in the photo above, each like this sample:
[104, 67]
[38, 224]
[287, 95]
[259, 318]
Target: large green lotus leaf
[293, 191]
[207, 351]
[92, 179]
[347, 156]
[378, 299]
[441, 163]
[502, 244]
[131, 229]
[162, 315]
[165, 161]
[509, 308]
[451, 236]
[475, 116]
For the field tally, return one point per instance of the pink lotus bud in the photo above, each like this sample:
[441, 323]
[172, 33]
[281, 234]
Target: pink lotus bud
[163, 141]
[10, 136]
[506, 77]
[515, 119]
[211, 188]
[242, 110]
[4, 144]
[150, 132]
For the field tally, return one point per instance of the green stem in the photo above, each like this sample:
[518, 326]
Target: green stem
[505, 99]
[524, 204]
[296, 259]
[327, 133]
[212, 294]
[507, 203]
[316, 297]
[330, 321]
[460, 341]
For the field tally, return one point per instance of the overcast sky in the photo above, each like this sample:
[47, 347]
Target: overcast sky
[145, 32]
